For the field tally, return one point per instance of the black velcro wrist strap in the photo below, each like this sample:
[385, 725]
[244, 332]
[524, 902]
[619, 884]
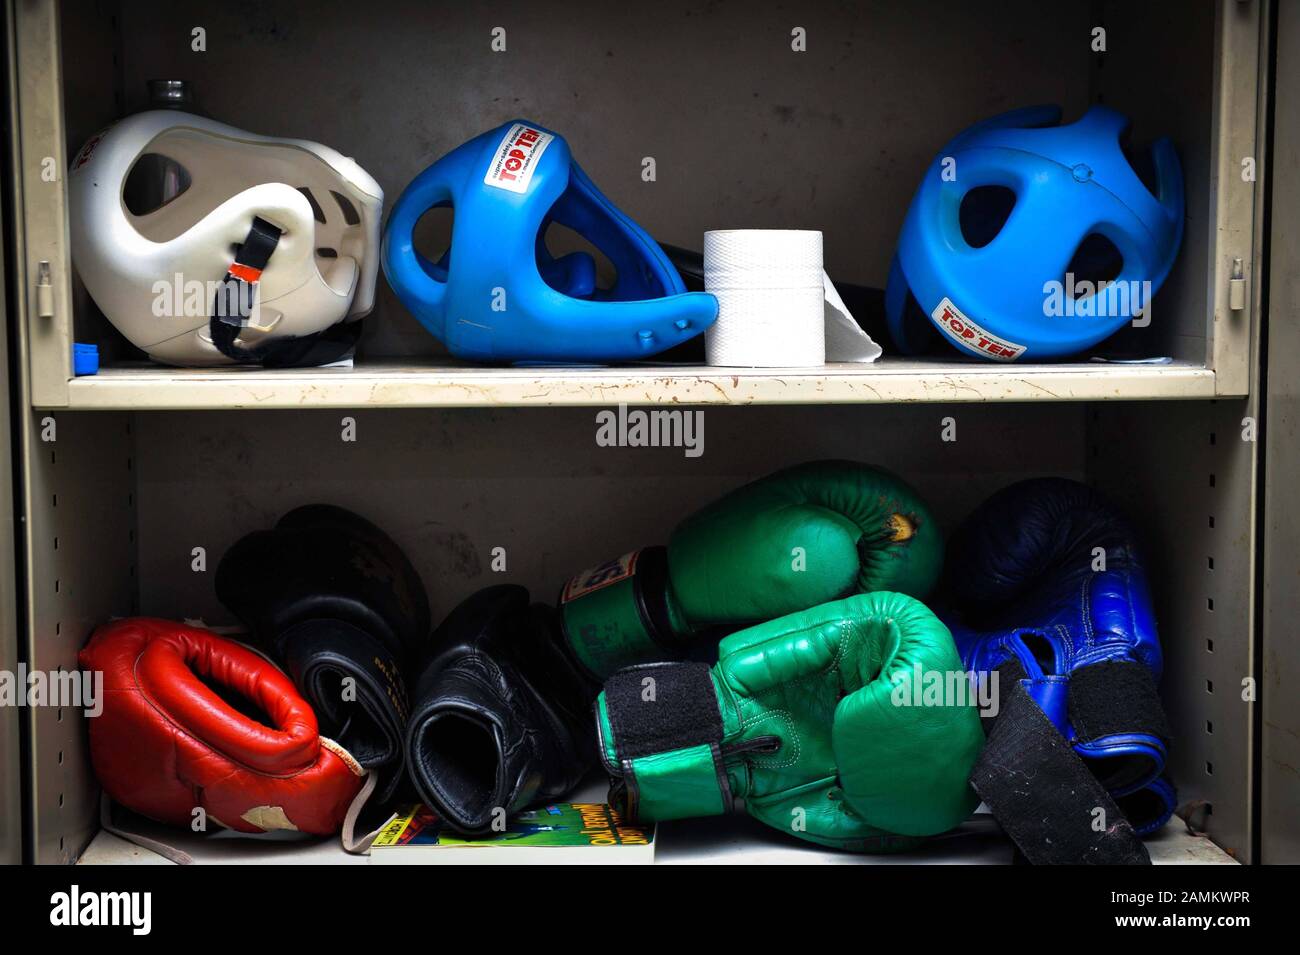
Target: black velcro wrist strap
[1115, 698]
[664, 752]
[1053, 819]
[661, 707]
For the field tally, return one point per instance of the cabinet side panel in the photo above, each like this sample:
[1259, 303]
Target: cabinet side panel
[1280, 744]
[41, 213]
[1186, 476]
[81, 559]
[11, 815]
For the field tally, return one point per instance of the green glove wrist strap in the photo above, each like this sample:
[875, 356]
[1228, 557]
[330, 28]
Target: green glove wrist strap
[663, 742]
[618, 613]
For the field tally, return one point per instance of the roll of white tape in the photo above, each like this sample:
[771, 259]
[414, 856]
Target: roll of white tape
[770, 291]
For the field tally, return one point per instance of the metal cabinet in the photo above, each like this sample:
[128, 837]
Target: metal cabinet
[151, 462]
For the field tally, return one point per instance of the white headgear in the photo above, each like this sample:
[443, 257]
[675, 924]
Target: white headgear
[292, 219]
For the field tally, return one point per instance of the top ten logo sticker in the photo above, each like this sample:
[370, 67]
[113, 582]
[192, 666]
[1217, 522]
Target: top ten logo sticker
[515, 160]
[968, 335]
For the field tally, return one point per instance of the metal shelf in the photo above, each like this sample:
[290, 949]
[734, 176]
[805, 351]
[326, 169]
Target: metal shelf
[444, 383]
[697, 841]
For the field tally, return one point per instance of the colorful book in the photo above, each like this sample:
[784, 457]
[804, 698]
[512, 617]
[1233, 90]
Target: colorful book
[563, 834]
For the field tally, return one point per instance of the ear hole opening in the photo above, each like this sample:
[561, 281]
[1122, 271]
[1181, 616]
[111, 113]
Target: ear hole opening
[1120, 772]
[336, 713]
[1096, 260]
[237, 701]
[464, 756]
[984, 211]
[350, 214]
[327, 253]
[432, 239]
[571, 264]
[1042, 650]
[316, 211]
[153, 181]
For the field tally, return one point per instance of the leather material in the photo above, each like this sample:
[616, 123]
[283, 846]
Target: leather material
[792, 540]
[1149, 809]
[333, 599]
[1046, 573]
[192, 721]
[500, 717]
[820, 733]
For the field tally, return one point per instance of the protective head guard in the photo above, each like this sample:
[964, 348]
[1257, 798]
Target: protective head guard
[498, 295]
[1030, 240]
[268, 243]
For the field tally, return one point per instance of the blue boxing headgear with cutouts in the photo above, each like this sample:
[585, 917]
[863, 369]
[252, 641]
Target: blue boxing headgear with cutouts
[498, 294]
[1030, 240]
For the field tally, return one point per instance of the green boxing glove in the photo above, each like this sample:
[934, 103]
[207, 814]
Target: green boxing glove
[787, 542]
[816, 720]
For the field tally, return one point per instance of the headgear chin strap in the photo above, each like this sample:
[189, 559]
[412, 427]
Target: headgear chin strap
[498, 294]
[303, 219]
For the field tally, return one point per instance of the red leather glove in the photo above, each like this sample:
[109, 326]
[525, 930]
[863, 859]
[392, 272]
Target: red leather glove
[166, 743]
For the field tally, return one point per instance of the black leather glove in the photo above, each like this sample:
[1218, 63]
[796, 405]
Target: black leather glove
[335, 601]
[501, 720]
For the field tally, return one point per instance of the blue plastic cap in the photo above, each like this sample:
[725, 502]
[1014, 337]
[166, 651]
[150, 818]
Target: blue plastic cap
[85, 359]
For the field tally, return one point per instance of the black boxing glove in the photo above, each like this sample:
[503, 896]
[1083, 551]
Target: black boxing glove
[335, 602]
[501, 720]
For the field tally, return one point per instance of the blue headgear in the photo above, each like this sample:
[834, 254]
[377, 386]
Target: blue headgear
[995, 284]
[498, 295]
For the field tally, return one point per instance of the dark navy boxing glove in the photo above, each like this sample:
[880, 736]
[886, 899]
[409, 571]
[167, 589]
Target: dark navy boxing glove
[1050, 593]
[335, 602]
[500, 717]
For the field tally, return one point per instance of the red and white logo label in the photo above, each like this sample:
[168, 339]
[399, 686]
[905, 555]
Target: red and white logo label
[83, 157]
[968, 335]
[610, 572]
[515, 160]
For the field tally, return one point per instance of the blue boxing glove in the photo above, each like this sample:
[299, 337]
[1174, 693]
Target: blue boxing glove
[1050, 593]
